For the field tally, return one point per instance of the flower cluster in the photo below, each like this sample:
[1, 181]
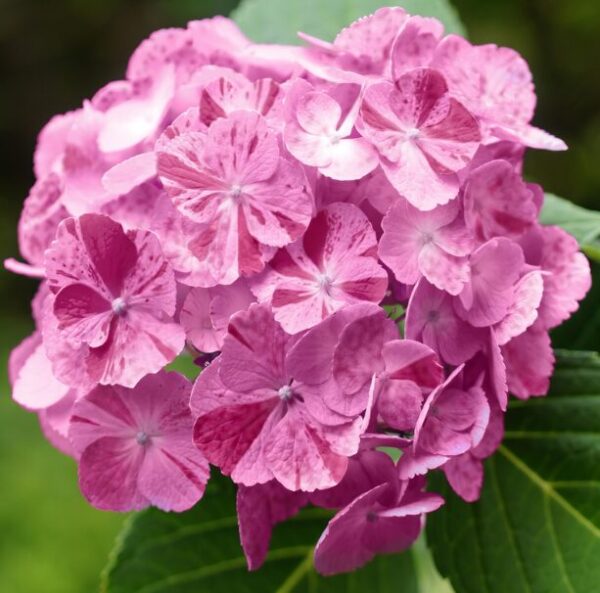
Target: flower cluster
[341, 236]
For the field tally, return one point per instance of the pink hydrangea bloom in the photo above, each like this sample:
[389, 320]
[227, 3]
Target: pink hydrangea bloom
[333, 265]
[495, 268]
[415, 44]
[226, 91]
[465, 472]
[206, 312]
[263, 408]
[569, 276]
[369, 194]
[114, 298]
[495, 84]
[452, 422]
[529, 363]
[319, 136]
[498, 202]
[136, 447]
[432, 319]
[383, 520]
[434, 244]
[424, 135]
[235, 181]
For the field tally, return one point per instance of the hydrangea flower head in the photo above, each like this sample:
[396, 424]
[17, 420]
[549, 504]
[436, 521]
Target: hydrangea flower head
[341, 237]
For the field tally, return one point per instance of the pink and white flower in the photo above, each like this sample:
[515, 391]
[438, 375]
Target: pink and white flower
[424, 135]
[333, 265]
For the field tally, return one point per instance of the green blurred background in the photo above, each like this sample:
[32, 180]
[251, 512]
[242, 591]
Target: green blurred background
[53, 53]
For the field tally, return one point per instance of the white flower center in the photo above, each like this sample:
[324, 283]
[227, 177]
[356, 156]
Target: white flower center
[119, 306]
[285, 392]
[142, 438]
[323, 282]
[412, 133]
[235, 192]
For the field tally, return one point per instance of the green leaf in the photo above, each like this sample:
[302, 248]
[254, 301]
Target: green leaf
[269, 21]
[583, 224]
[536, 528]
[199, 552]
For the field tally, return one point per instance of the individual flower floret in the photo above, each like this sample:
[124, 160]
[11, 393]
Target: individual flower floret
[258, 422]
[319, 135]
[136, 447]
[236, 182]
[110, 320]
[434, 244]
[383, 520]
[423, 134]
[495, 84]
[333, 265]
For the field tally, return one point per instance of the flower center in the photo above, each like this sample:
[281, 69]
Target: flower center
[324, 282]
[412, 133]
[285, 392]
[235, 192]
[433, 316]
[142, 438]
[119, 306]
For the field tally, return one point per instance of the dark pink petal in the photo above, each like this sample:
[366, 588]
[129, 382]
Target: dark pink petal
[253, 355]
[108, 470]
[83, 315]
[408, 360]
[430, 318]
[357, 357]
[259, 509]
[498, 202]
[174, 473]
[225, 434]
[311, 359]
[365, 470]
[341, 547]
[465, 476]
[399, 404]
[138, 344]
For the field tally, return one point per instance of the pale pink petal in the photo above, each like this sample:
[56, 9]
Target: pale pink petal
[34, 385]
[130, 173]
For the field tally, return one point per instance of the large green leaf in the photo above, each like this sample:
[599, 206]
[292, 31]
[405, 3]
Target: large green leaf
[278, 21]
[583, 224]
[199, 552]
[536, 528]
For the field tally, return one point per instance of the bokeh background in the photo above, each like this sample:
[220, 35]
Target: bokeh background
[53, 53]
